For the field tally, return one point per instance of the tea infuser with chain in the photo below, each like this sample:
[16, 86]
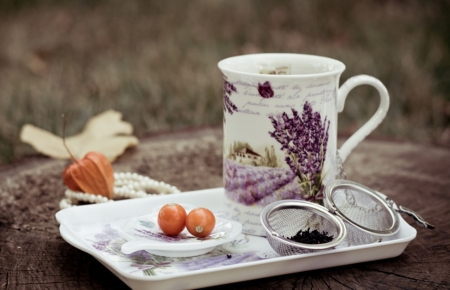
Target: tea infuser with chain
[352, 212]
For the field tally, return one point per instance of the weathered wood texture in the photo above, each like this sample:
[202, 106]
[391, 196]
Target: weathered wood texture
[34, 256]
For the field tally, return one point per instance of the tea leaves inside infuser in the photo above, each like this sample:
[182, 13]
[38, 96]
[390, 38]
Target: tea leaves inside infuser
[311, 237]
[288, 222]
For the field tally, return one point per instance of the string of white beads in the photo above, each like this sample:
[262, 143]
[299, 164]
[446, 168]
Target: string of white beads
[133, 185]
[126, 185]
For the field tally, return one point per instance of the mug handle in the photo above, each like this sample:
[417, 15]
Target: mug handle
[373, 122]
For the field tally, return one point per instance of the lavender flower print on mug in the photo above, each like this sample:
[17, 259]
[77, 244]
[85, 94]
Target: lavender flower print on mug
[228, 105]
[280, 134]
[304, 140]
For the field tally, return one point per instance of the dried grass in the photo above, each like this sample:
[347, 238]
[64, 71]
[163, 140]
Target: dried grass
[155, 61]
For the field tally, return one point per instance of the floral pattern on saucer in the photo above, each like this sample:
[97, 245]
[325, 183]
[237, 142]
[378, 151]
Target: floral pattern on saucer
[143, 233]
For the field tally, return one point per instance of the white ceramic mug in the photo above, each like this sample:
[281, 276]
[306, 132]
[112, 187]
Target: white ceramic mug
[280, 129]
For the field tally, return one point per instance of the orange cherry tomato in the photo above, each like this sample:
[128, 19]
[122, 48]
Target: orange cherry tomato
[200, 222]
[172, 219]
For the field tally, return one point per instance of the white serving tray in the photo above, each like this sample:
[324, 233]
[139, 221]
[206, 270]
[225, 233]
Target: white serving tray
[93, 229]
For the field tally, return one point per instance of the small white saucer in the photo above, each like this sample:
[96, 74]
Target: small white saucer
[143, 233]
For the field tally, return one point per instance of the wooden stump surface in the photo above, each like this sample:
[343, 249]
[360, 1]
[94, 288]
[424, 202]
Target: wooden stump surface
[34, 256]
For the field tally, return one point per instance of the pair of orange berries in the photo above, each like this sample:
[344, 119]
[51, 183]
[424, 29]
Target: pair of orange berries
[172, 219]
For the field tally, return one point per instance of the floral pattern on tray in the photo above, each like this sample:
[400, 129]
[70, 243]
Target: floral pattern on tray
[107, 240]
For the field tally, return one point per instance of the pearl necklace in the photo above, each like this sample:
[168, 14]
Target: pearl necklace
[126, 185]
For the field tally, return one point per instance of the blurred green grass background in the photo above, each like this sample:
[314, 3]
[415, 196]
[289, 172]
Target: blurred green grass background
[156, 61]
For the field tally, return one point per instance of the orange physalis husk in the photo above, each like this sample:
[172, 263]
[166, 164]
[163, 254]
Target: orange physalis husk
[92, 174]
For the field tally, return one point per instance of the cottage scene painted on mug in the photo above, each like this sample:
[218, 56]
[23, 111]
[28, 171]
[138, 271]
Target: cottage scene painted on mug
[277, 140]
